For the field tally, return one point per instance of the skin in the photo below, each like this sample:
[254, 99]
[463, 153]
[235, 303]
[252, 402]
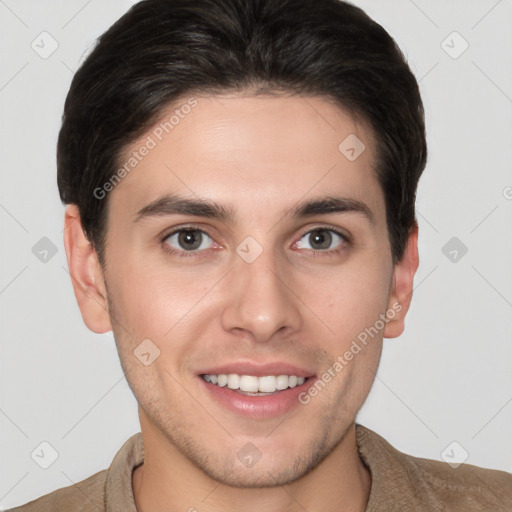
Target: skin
[295, 303]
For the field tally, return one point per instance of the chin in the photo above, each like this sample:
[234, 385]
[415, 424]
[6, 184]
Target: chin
[252, 478]
[262, 470]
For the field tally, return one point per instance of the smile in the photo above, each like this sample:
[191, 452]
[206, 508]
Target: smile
[253, 385]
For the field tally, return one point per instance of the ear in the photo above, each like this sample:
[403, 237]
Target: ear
[401, 291]
[86, 274]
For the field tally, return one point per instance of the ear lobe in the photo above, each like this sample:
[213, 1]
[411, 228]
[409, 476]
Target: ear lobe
[86, 274]
[401, 290]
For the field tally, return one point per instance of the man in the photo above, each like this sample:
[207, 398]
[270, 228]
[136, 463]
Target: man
[240, 178]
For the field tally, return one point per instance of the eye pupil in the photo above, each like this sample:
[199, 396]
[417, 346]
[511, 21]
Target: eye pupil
[190, 239]
[321, 237]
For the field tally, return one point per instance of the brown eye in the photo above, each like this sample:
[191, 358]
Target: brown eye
[188, 240]
[322, 239]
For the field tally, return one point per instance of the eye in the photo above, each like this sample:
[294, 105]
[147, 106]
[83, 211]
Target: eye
[188, 240]
[322, 239]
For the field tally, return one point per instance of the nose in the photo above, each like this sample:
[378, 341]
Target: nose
[261, 300]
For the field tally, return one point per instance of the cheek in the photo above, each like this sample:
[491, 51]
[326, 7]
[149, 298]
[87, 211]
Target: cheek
[352, 305]
[154, 298]
[352, 298]
[171, 308]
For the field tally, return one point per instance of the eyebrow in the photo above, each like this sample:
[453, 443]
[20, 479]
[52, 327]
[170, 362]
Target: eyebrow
[332, 204]
[172, 204]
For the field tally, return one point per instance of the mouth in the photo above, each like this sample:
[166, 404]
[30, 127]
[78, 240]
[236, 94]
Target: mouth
[252, 385]
[256, 392]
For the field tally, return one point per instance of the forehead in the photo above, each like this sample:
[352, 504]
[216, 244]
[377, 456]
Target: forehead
[252, 152]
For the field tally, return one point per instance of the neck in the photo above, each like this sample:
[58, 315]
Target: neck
[167, 480]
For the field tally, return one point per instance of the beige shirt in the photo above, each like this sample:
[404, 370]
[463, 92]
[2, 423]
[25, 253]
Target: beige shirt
[400, 483]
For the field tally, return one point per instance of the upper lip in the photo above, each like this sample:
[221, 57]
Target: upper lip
[258, 369]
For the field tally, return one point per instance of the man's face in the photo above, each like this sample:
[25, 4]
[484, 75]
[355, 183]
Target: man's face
[260, 287]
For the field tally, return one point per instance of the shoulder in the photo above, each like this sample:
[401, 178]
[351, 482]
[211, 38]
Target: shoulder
[465, 487]
[101, 491]
[415, 483]
[86, 495]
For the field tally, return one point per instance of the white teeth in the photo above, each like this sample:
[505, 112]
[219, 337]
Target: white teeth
[233, 381]
[249, 383]
[282, 382]
[267, 384]
[253, 384]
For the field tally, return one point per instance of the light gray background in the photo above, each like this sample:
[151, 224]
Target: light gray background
[446, 379]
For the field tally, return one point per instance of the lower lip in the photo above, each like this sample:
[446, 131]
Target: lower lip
[265, 406]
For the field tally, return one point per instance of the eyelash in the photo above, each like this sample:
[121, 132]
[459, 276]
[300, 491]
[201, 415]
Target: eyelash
[183, 254]
[332, 252]
[187, 254]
